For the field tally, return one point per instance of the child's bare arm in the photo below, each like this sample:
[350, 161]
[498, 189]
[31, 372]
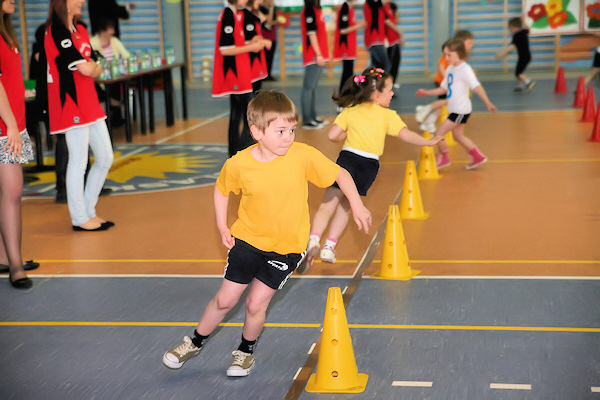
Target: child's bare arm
[362, 216]
[336, 134]
[431, 92]
[221, 203]
[414, 138]
[505, 51]
[480, 91]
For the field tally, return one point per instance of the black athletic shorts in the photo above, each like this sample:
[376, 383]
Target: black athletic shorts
[362, 169]
[521, 65]
[459, 118]
[246, 262]
[596, 60]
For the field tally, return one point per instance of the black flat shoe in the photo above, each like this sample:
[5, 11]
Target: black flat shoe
[27, 266]
[108, 224]
[23, 283]
[100, 228]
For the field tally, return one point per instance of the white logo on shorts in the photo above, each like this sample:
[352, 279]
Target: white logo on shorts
[278, 264]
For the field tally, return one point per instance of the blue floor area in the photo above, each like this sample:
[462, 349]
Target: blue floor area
[110, 359]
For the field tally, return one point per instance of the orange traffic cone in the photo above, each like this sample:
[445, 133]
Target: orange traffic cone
[589, 111]
[394, 260]
[336, 366]
[596, 131]
[427, 166]
[579, 94]
[561, 84]
[411, 205]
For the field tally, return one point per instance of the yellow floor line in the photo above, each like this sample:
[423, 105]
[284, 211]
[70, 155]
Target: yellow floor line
[307, 325]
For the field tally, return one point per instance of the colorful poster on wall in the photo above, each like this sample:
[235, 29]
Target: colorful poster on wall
[552, 17]
[591, 16]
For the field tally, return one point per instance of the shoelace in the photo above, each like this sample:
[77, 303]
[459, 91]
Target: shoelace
[239, 357]
[184, 347]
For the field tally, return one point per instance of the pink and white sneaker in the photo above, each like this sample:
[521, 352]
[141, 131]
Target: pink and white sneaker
[443, 160]
[328, 254]
[478, 158]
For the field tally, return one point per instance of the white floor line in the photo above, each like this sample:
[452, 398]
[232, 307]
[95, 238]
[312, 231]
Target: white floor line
[191, 128]
[595, 389]
[412, 383]
[297, 373]
[220, 276]
[510, 386]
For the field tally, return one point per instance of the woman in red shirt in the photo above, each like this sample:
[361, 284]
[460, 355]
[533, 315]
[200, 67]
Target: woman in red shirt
[15, 148]
[75, 111]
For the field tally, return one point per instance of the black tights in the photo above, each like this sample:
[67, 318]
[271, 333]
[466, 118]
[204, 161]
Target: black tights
[11, 189]
[237, 116]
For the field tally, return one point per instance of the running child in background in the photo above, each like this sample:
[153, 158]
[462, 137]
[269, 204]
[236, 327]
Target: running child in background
[458, 80]
[344, 43]
[520, 41]
[395, 40]
[267, 240]
[363, 127]
[428, 114]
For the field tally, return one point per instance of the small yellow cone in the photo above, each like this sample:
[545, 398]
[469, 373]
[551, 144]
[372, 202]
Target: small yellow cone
[411, 205]
[394, 261]
[336, 366]
[449, 138]
[427, 166]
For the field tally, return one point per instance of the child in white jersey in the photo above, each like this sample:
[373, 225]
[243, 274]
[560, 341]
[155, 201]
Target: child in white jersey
[363, 126]
[458, 80]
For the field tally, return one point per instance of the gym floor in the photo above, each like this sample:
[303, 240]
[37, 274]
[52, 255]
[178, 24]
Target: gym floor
[505, 305]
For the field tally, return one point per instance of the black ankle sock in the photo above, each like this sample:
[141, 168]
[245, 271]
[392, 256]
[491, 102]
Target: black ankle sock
[247, 346]
[198, 339]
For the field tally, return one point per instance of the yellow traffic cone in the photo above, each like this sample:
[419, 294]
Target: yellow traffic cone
[394, 261]
[336, 366]
[427, 166]
[411, 205]
[449, 138]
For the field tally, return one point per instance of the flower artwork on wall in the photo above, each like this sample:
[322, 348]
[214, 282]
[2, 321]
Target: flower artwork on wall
[591, 16]
[551, 17]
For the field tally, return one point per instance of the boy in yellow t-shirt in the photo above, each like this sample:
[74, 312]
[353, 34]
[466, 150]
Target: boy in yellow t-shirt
[267, 241]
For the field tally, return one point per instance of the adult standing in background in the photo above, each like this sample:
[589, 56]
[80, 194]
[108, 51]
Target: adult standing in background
[269, 32]
[75, 110]
[108, 9]
[15, 148]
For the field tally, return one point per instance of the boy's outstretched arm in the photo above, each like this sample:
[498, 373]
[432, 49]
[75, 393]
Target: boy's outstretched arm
[480, 91]
[362, 216]
[505, 51]
[221, 203]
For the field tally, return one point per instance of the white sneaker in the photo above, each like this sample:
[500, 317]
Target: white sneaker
[428, 126]
[242, 364]
[309, 258]
[177, 356]
[328, 254]
[321, 122]
[422, 112]
[339, 109]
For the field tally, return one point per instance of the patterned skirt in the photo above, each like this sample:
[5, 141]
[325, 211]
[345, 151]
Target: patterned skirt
[26, 151]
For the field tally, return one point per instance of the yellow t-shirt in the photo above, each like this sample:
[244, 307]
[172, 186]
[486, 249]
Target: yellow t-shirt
[273, 213]
[367, 124]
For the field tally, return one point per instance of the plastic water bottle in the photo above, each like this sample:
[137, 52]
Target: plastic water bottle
[170, 54]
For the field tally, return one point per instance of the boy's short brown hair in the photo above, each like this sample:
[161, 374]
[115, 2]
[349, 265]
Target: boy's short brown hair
[458, 46]
[463, 35]
[515, 22]
[267, 106]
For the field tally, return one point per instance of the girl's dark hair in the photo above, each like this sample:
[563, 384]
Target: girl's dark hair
[7, 31]
[58, 9]
[359, 88]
